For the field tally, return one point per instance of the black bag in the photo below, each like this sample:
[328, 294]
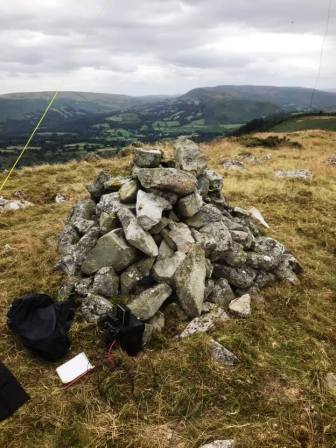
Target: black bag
[42, 324]
[122, 326]
[12, 395]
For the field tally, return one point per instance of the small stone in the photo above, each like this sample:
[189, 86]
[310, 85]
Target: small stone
[67, 239]
[136, 235]
[59, 198]
[106, 283]
[331, 382]
[128, 192]
[241, 306]
[190, 281]
[109, 203]
[165, 250]
[190, 205]
[96, 188]
[221, 354]
[114, 184]
[205, 323]
[295, 174]
[94, 306]
[149, 208]
[261, 261]
[86, 244]
[215, 180]
[169, 179]
[258, 217]
[188, 156]
[243, 237]
[110, 250]
[83, 225]
[147, 157]
[235, 256]
[83, 286]
[216, 240]
[150, 301]
[84, 209]
[241, 277]
[220, 444]
[108, 222]
[13, 205]
[136, 275]
[157, 322]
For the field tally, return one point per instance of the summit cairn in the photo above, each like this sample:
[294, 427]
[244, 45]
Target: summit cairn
[166, 237]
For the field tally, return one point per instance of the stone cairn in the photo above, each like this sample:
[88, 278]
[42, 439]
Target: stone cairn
[164, 238]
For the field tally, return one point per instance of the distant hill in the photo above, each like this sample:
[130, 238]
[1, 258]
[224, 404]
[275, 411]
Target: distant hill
[86, 121]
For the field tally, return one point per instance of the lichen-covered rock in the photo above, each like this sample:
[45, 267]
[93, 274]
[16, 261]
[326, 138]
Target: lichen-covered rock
[169, 179]
[216, 240]
[149, 208]
[96, 188]
[106, 283]
[148, 303]
[7, 205]
[205, 323]
[241, 277]
[83, 225]
[207, 215]
[114, 183]
[68, 238]
[147, 157]
[261, 261]
[136, 275]
[190, 281]
[110, 250]
[221, 293]
[128, 191]
[164, 269]
[243, 237]
[136, 235]
[178, 237]
[188, 156]
[215, 180]
[190, 205]
[235, 256]
[85, 244]
[94, 306]
[108, 222]
[285, 270]
[84, 209]
[220, 444]
[221, 354]
[241, 306]
[109, 203]
[82, 287]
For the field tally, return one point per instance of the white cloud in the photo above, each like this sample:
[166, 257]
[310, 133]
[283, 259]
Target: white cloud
[162, 46]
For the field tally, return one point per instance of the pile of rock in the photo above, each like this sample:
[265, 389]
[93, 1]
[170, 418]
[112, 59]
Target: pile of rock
[166, 237]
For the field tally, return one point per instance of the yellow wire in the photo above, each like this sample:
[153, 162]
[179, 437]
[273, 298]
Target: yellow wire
[29, 140]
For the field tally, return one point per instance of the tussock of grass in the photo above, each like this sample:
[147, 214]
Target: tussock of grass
[173, 395]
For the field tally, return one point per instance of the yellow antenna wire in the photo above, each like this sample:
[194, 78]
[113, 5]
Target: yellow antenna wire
[29, 140]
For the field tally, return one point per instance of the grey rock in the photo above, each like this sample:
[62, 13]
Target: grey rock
[67, 264]
[258, 217]
[222, 293]
[149, 208]
[205, 323]
[148, 303]
[203, 185]
[178, 237]
[221, 354]
[147, 157]
[83, 286]
[96, 188]
[114, 183]
[164, 269]
[285, 272]
[207, 215]
[216, 240]
[167, 195]
[331, 382]
[208, 267]
[165, 222]
[110, 250]
[169, 179]
[108, 222]
[188, 156]
[220, 444]
[85, 244]
[135, 275]
[190, 205]
[235, 256]
[190, 281]
[243, 237]
[128, 192]
[94, 306]
[157, 322]
[165, 250]
[68, 238]
[269, 246]
[136, 235]
[295, 174]
[215, 180]
[84, 209]
[241, 277]
[232, 165]
[106, 283]
[147, 334]
[261, 261]
[83, 225]
[264, 279]
[241, 306]
[109, 203]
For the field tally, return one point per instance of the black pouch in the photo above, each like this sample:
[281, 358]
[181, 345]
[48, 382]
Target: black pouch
[42, 324]
[12, 395]
[122, 326]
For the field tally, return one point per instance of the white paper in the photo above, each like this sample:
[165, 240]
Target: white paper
[74, 368]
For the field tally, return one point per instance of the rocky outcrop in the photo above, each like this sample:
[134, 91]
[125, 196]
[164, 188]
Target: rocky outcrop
[166, 239]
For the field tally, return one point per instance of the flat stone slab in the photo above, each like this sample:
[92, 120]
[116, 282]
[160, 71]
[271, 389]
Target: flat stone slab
[148, 303]
[147, 157]
[169, 179]
[221, 354]
[206, 322]
[220, 444]
[241, 307]
[149, 208]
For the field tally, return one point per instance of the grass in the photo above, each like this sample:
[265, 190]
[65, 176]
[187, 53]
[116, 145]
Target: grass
[173, 395]
[327, 123]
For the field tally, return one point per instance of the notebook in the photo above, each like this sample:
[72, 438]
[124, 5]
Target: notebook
[74, 369]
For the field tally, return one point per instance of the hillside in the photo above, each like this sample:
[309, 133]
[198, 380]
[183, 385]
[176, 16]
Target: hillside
[91, 121]
[173, 394]
[294, 124]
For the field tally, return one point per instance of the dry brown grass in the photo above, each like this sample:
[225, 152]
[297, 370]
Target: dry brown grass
[173, 395]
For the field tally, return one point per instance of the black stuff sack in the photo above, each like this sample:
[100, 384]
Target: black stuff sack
[122, 326]
[12, 395]
[42, 324]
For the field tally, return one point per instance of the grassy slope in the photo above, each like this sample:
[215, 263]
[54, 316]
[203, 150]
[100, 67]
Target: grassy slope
[303, 123]
[173, 395]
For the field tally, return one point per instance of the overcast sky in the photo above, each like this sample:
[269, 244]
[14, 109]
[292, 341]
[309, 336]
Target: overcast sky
[163, 46]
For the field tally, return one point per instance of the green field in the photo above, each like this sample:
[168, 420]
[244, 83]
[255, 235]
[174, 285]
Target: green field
[325, 122]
